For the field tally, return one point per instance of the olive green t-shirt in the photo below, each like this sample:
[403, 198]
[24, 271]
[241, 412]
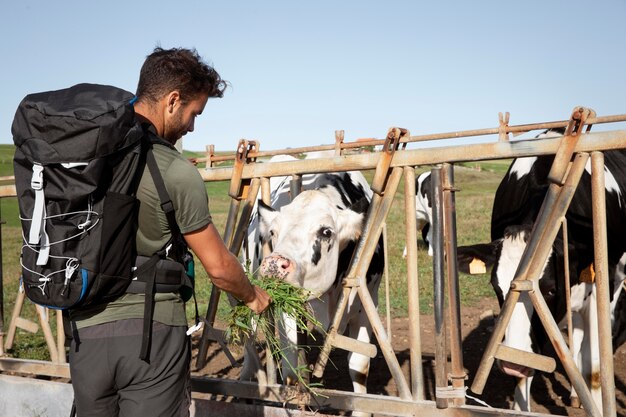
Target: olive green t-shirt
[188, 194]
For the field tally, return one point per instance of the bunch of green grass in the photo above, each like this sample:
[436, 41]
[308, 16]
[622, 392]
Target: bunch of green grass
[244, 324]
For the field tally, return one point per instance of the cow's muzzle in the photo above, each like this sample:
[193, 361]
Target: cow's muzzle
[276, 266]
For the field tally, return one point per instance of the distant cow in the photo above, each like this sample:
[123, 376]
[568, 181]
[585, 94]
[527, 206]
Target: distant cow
[423, 210]
[516, 206]
[312, 241]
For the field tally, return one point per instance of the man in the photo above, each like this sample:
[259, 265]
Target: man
[108, 376]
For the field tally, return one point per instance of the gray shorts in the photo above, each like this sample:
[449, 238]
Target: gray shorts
[109, 379]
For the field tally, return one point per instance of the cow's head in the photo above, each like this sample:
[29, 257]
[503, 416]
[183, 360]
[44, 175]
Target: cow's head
[524, 331]
[307, 237]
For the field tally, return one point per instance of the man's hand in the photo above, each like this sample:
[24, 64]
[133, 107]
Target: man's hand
[260, 301]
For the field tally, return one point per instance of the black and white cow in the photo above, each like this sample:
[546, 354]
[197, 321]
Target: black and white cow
[515, 208]
[312, 240]
[423, 210]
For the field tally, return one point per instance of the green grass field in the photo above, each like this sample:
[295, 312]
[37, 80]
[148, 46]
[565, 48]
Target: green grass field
[477, 183]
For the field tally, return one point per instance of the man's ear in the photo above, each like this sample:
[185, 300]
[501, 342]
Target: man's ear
[173, 100]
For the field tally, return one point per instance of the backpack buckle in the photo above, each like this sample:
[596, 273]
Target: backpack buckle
[36, 182]
[167, 206]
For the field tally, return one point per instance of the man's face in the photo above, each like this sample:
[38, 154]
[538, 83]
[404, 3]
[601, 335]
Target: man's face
[181, 120]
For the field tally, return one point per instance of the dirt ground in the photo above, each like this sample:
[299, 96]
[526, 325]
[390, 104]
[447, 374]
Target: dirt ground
[550, 392]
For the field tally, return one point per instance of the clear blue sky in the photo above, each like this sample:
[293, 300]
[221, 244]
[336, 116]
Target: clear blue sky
[301, 70]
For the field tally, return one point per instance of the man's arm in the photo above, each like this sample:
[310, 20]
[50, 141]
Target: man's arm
[224, 268]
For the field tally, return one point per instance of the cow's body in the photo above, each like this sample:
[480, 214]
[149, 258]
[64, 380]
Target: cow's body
[516, 206]
[423, 210]
[312, 240]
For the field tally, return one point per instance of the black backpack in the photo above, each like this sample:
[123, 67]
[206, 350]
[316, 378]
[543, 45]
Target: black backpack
[79, 157]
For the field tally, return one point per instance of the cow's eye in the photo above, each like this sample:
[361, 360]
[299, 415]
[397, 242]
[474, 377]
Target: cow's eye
[325, 232]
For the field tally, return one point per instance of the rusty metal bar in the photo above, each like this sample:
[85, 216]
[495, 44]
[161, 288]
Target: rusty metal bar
[295, 188]
[415, 342]
[503, 134]
[339, 137]
[574, 401]
[60, 337]
[427, 156]
[1, 290]
[532, 360]
[35, 367]
[437, 136]
[387, 283]
[244, 219]
[381, 175]
[552, 329]
[363, 258]
[598, 200]
[295, 185]
[568, 143]
[270, 364]
[457, 371]
[340, 400]
[441, 357]
[466, 153]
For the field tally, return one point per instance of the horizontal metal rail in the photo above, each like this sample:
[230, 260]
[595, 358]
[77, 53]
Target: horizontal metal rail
[519, 129]
[342, 400]
[588, 142]
[459, 153]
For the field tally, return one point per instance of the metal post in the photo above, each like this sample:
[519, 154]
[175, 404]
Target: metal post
[1, 290]
[415, 344]
[441, 375]
[598, 200]
[295, 188]
[270, 364]
[574, 400]
[457, 374]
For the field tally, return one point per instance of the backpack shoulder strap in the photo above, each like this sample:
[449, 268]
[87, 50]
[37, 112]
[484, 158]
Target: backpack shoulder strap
[178, 247]
[166, 203]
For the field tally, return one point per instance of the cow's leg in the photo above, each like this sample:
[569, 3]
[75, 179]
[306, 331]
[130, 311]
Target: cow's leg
[521, 396]
[358, 364]
[591, 349]
[578, 335]
[429, 239]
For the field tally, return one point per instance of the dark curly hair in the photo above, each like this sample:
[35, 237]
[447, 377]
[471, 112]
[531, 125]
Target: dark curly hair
[166, 70]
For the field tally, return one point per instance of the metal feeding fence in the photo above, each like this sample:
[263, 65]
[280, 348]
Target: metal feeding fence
[392, 163]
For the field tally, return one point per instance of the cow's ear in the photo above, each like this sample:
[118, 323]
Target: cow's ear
[266, 216]
[349, 226]
[475, 259]
[360, 206]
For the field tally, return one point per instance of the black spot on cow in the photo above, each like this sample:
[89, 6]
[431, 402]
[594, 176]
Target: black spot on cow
[317, 251]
